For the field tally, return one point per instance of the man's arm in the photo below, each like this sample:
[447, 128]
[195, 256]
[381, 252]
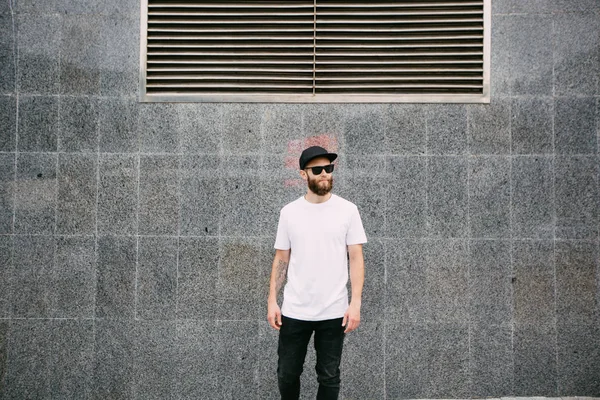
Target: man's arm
[278, 274]
[357, 279]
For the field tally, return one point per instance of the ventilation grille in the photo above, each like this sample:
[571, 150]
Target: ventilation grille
[308, 50]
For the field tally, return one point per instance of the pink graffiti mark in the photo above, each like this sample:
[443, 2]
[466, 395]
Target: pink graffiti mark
[295, 147]
[292, 183]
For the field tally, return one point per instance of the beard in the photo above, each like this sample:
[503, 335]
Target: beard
[319, 187]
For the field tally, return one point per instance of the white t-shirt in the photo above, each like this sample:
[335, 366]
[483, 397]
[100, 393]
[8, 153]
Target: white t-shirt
[318, 236]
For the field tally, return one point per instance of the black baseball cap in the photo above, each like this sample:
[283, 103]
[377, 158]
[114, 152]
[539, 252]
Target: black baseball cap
[314, 152]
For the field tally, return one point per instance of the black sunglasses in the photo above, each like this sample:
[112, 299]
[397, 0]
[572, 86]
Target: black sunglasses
[318, 170]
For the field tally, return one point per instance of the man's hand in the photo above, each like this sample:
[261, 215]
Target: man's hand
[274, 316]
[278, 275]
[351, 318]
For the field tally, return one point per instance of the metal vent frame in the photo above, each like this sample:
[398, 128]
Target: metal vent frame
[326, 53]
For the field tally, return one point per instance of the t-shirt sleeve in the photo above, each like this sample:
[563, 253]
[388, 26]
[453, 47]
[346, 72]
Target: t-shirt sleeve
[356, 232]
[282, 240]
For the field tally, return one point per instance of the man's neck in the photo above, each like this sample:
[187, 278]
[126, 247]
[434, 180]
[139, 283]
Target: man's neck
[314, 198]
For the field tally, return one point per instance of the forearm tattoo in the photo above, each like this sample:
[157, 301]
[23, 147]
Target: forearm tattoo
[282, 267]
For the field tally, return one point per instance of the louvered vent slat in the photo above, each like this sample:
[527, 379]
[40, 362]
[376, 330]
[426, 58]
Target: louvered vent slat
[234, 5]
[315, 50]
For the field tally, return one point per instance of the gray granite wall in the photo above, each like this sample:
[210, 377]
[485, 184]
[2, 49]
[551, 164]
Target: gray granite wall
[136, 239]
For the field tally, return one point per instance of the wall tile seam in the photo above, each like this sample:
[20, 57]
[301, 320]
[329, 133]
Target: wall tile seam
[56, 233]
[177, 320]
[60, 235]
[166, 320]
[268, 238]
[29, 11]
[568, 240]
[536, 325]
[469, 301]
[597, 274]
[569, 96]
[15, 53]
[47, 318]
[179, 169]
[385, 212]
[549, 239]
[503, 239]
[548, 97]
[58, 138]
[228, 153]
[598, 119]
[554, 212]
[468, 229]
[96, 253]
[38, 13]
[536, 14]
[512, 274]
[137, 230]
[358, 156]
[263, 243]
[554, 283]
[172, 237]
[222, 156]
[241, 155]
[598, 155]
[385, 301]
[551, 155]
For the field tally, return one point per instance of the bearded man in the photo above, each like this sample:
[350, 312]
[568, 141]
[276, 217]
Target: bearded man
[316, 237]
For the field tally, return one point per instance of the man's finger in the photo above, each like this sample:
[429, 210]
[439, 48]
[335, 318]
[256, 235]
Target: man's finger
[278, 318]
[274, 323]
[345, 320]
[352, 325]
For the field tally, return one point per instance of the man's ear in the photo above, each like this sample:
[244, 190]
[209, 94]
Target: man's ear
[303, 174]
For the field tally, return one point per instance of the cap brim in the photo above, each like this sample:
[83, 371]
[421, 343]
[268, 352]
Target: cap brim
[331, 156]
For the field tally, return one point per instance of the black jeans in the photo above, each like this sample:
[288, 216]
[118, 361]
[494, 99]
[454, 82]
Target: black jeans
[293, 342]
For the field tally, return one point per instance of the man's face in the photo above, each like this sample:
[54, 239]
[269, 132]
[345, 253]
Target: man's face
[318, 184]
